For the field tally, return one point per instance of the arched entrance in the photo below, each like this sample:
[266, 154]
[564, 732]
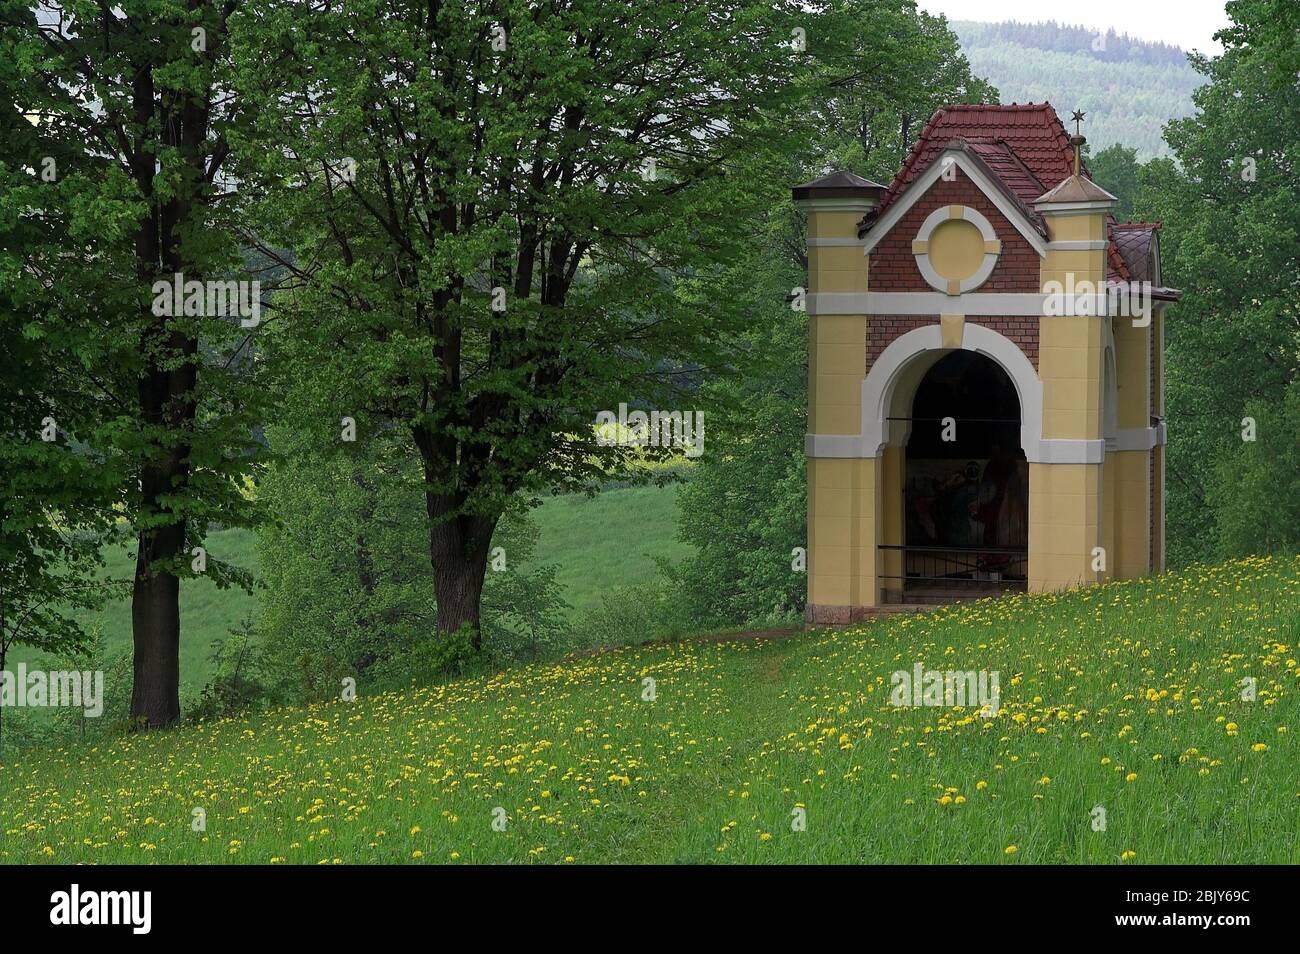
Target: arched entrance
[991, 391]
[964, 527]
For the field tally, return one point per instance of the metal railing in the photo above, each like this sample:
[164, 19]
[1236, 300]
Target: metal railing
[1005, 566]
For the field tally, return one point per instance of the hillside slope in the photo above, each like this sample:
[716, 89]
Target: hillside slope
[1129, 89]
[1127, 698]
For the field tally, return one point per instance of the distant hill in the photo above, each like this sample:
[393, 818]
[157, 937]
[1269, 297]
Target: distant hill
[1129, 88]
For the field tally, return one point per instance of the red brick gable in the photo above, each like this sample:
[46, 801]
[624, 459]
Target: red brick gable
[892, 267]
[1025, 146]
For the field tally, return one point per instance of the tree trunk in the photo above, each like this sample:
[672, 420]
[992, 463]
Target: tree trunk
[166, 399]
[166, 390]
[156, 628]
[458, 551]
[458, 588]
[459, 543]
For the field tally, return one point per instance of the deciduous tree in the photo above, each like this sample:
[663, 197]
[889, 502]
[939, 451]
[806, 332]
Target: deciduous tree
[506, 217]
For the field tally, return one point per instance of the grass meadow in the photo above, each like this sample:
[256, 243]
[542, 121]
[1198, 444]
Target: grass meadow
[1126, 697]
[597, 543]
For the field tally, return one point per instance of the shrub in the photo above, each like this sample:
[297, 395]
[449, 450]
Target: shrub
[348, 585]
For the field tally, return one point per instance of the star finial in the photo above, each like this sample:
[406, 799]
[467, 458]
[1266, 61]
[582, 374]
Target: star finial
[1077, 117]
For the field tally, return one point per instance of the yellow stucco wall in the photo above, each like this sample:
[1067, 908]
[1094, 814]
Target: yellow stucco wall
[1158, 525]
[1065, 524]
[843, 516]
[1135, 496]
[1132, 373]
[837, 362]
[1069, 364]
[1067, 517]
[892, 465]
[843, 498]
[1131, 502]
[1110, 519]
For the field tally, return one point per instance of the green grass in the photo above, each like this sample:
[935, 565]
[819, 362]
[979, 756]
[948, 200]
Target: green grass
[207, 613]
[608, 540]
[597, 542]
[1126, 696]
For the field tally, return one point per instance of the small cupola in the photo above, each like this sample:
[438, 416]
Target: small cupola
[1076, 192]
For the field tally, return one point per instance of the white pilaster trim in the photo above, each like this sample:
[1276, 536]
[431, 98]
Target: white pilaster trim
[1063, 304]
[1140, 438]
[835, 445]
[1010, 304]
[835, 243]
[1082, 245]
[1061, 450]
[843, 204]
[1091, 207]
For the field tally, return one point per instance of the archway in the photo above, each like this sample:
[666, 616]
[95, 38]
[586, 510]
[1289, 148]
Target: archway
[888, 394]
[892, 380]
[965, 482]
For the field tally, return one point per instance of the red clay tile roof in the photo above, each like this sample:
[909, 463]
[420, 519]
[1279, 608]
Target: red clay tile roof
[1025, 146]
[1117, 267]
[1032, 134]
[1009, 167]
[1006, 171]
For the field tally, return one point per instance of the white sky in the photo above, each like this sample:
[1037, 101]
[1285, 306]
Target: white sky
[1189, 24]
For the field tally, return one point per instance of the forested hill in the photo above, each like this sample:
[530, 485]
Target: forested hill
[1129, 88]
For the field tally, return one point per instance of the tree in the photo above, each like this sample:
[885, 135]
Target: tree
[135, 93]
[1257, 488]
[890, 67]
[745, 506]
[505, 218]
[1115, 169]
[1231, 242]
[50, 528]
[53, 491]
[344, 551]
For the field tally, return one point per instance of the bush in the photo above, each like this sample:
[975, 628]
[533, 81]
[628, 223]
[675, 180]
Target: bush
[638, 613]
[745, 506]
[242, 677]
[348, 585]
[25, 730]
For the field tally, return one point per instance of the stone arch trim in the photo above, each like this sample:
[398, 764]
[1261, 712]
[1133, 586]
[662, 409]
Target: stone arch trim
[902, 364]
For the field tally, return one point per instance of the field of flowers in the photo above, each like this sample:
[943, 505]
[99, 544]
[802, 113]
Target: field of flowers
[1127, 698]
